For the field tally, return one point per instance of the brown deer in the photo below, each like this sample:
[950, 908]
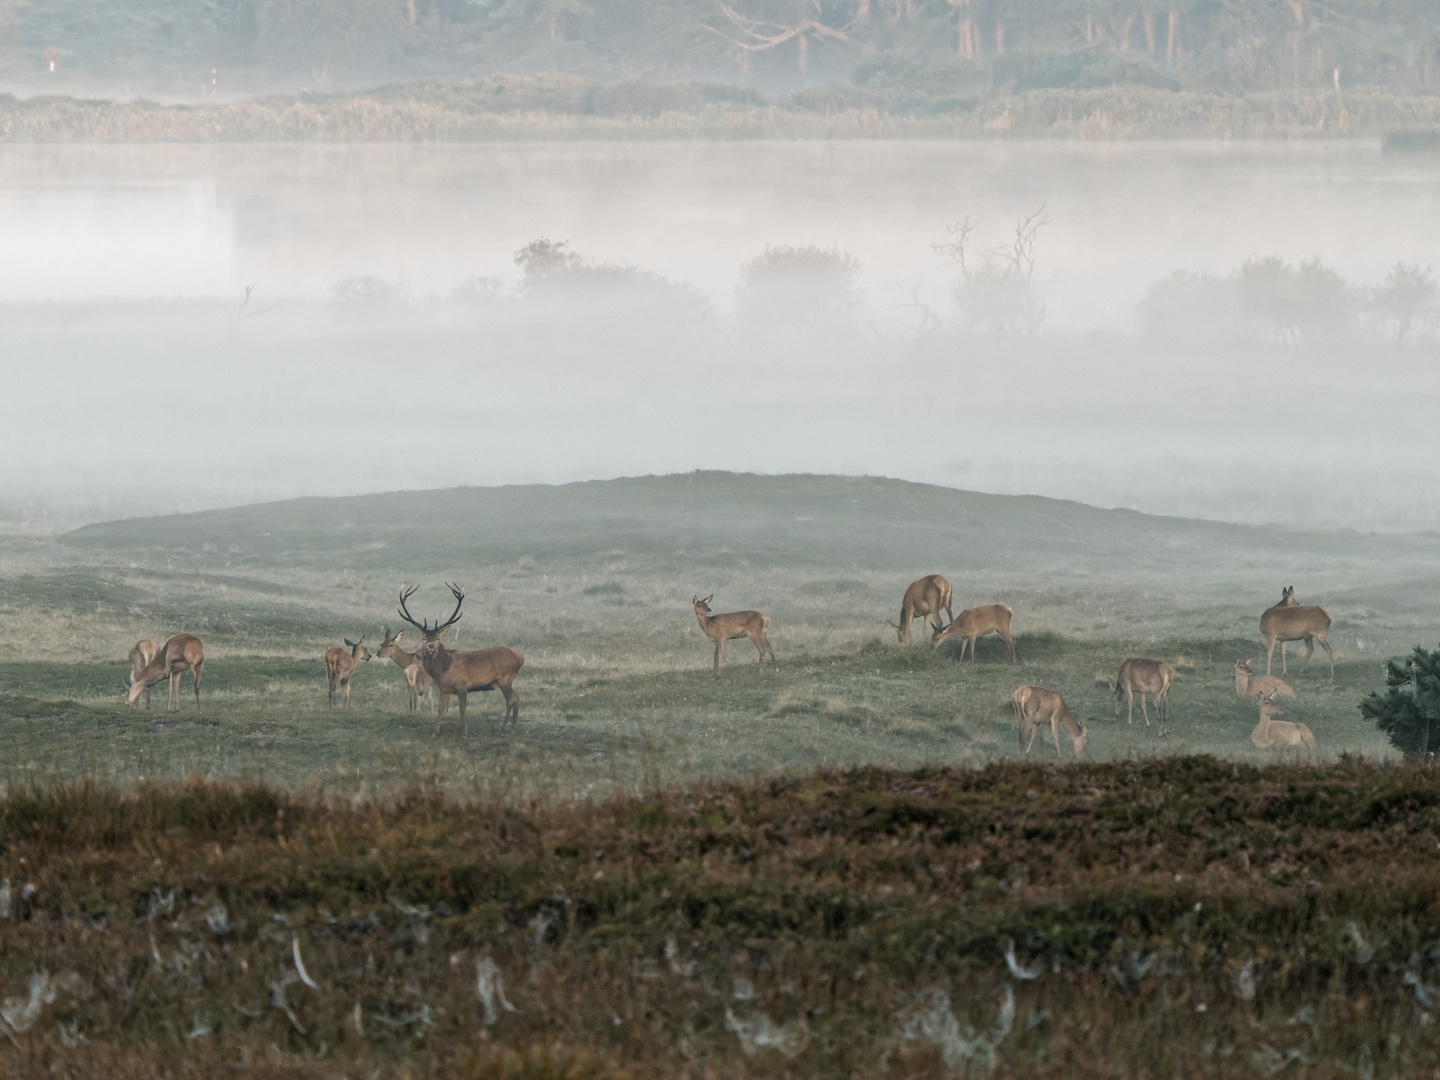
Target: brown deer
[420, 683]
[1289, 621]
[1248, 685]
[181, 653]
[1035, 707]
[140, 657]
[462, 673]
[1152, 677]
[734, 624]
[340, 666]
[924, 597]
[1279, 735]
[973, 623]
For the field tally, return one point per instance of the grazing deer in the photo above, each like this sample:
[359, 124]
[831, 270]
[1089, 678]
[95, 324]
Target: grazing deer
[973, 623]
[1035, 707]
[1152, 677]
[140, 657]
[420, 683]
[181, 653]
[462, 673]
[1248, 685]
[924, 597]
[340, 666]
[1279, 735]
[734, 624]
[1289, 621]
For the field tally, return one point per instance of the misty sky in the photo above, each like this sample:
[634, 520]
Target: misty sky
[299, 398]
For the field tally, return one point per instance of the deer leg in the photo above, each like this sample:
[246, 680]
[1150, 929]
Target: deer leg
[195, 673]
[1326, 646]
[719, 648]
[1270, 656]
[1011, 642]
[512, 708]
[464, 721]
[1130, 699]
[1055, 731]
[1284, 668]
[1309, 647]
[1143, 710]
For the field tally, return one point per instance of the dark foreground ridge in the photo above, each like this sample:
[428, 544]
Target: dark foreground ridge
[1178, 917]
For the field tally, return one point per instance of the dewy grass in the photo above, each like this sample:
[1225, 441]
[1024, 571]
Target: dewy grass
[1184, 916]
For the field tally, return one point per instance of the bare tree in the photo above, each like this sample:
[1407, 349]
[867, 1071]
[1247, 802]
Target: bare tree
[996, 291]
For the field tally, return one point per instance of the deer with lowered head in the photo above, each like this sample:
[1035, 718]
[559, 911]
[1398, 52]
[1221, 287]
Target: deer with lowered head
[1140, 676]
[1035, 707]
[974, 623]
[340, 665]
[1250, 685]
[924, 597]
[1279, 735]
[141, 654]
[734, 624]
[420, 684]
[180, 654]
[462, 673]
[1291, 621]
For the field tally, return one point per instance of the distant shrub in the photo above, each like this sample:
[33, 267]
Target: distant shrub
[1409, 712]
[902, 73]
[640, 97]
[996, 292]
[555, 274]
[1294, 303]
[1407, 300]
[366, 292]
[799, 287]
[1086, 69]
[1190, 305]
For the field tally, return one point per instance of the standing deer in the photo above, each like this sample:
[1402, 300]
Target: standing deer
[462, 673]
[1289, 621]
[924, 597]
[181, 653]
[420, 683]
[1152, 677]
[1248, 685]
[340, 666]
[973, 623]
[1279, 735]
[734, 624]
[1035, 707]
[140, 657]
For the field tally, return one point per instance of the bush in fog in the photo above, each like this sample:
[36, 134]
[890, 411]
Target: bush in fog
[1190, 305]
[1409, 711]
[1292, 303]
[1408, 300]
[554, 274]
[366, 292]
[996, 292]
[803, 288]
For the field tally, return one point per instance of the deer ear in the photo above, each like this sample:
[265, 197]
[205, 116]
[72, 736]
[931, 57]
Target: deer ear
[443, 632]
[352, 644]
[708, 598]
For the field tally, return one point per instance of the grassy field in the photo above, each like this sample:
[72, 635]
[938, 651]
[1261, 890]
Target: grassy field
[593, 583]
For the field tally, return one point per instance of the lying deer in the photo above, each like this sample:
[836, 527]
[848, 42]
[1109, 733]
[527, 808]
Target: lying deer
[340, 666]
[1152, 677]
[1035, 707]
[420, 684]
[924, 597]
[140, 656]
[1289, 621]
[1248, 685]
[974, 623]
[462, 673]
[1279, 735]
[734, 624]
[180, 654]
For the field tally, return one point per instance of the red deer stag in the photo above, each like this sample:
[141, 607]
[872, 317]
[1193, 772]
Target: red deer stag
[420, 683]
[1289, 621]
[924, 597]
[1152, 677]
[181, 653]
[734, 624]
[340, 666]
[140, 657]
[1035, 707]
[1248, 685]
[974, 623]
[1279, 735]
[462, 673]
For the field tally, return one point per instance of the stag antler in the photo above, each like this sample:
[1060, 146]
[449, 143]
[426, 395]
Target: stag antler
[424, 627]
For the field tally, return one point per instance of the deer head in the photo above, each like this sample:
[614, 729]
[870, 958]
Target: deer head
[702, 607]
[1268, 708]
[357, 648]
[432, 635]
[389, 643]
[1287, 597]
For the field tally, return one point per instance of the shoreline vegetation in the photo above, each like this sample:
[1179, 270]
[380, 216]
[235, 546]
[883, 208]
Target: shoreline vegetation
[559, 107]
[1182, 916]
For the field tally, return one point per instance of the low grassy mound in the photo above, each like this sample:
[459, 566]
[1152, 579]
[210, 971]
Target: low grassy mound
[1184, 916]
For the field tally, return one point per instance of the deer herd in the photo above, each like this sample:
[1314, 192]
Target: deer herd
[434, 669]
